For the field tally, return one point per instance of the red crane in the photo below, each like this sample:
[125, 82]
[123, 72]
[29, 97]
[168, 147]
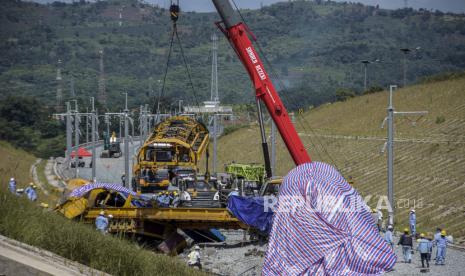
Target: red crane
[238, 34]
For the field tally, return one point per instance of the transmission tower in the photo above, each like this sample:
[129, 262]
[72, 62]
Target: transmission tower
[214, 82]
[59, 96]
[102, 97]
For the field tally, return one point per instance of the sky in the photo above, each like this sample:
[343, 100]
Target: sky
[457, 6]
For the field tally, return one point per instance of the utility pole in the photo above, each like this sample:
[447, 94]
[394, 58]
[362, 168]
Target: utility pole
[215, 141]
[390, 148]
[94, 145]
[87, 126]
[273, 148]
[76, 138]
[69, 133]
[126, 143]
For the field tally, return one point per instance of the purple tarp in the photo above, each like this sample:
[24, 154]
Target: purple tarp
[321, 226]
[81, 191]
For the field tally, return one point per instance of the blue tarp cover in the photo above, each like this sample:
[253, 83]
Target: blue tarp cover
[251, 211]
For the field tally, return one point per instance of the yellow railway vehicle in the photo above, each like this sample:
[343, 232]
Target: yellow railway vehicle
[176, 143]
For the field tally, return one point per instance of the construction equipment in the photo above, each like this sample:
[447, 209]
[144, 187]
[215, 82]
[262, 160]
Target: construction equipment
[248, 178]
[238, 34]
[174, 148]
[111, 147]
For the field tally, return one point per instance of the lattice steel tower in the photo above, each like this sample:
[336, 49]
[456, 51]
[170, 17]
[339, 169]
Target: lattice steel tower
[59, 96]
[214, 84]
[102, 96]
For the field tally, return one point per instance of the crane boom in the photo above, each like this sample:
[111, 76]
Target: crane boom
[238, 35]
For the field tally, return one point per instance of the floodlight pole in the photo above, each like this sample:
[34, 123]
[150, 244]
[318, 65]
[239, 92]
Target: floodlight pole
[390, 161]
[390, 149]
[215, 141]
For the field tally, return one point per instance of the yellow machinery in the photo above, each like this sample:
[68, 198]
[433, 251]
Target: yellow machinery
[178, 142]
[135, 215]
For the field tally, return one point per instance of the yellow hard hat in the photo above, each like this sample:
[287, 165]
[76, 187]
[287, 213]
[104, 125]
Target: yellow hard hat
[406, 230]
[373, 210]
[422, 235]
[31, 184]
[175, 192]
[443, 233]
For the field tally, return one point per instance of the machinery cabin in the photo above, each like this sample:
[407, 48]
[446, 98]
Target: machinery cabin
[176, 145]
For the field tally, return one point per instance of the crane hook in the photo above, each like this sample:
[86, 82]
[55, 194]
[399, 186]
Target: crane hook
[174, 10]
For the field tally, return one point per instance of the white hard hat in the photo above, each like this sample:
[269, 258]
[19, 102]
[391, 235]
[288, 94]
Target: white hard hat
[102, 213]
[196, 247]
[110, 216]
[11, 179]
[389, 226]
[413, 210]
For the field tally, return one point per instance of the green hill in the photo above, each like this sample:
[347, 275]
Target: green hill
[316, 47]
[25, 221]
[429, 152]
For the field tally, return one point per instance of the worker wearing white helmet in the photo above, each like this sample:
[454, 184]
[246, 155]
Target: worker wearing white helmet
[413, 222]
[101, 222]
[194, 257]
[12, 185]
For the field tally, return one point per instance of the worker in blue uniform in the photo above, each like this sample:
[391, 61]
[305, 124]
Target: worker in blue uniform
[441, 243]
[31, 192]
[12, 185]
[437, 235]
[413, 222]
[423, 247]
[388, 236]
[101, 222]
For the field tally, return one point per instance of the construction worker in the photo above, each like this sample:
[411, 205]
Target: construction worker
[167, 199]
[123, 179]
[413, 222]
[437, 235]
[424, 248]
[388, 236]
[441, 243]
[12, 185]
[31, 192]
[407, 246]
[194, 257]
[176, 199]
[101, 222]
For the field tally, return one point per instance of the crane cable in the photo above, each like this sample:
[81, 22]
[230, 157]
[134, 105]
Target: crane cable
[174, 14]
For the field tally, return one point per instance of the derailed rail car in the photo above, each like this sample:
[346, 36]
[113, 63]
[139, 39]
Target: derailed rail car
[176, 143]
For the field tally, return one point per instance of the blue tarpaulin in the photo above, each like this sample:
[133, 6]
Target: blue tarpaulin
[251, 211]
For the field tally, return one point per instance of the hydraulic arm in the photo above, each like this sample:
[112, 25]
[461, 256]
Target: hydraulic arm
[238, 35]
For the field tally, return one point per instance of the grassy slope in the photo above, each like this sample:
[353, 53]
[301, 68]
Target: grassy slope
[431, 173]
[26, 222]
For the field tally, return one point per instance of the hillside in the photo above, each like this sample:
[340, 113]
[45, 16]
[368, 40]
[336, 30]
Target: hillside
[316, 48]
[429, 155]
[48, 230]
